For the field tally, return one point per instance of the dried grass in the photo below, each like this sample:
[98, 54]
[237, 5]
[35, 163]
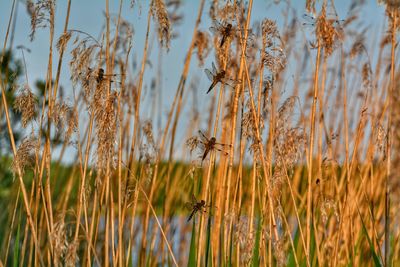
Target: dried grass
[316, 162]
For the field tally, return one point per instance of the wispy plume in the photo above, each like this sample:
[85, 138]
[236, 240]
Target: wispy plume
[42, 15]
[25, 156]
[159, 12]
[25, 103]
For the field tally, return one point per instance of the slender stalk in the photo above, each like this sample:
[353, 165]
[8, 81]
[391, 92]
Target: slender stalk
[234, 115]
[310, 155]
[137, 123]
[12, 141]
[394, 15]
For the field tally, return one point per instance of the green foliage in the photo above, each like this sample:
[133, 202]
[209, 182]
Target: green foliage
[208, 238]
[192, 251]
[313, 256]
[10, 71]
[17, 243]
[375, 257]
[255, 262]
[291, 260]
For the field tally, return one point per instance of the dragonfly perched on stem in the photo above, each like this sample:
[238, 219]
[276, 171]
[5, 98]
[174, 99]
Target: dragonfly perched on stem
[195, 206]
[98, 76]
[228, 31]
[209, 144]
[225, 30]
[216, 76]
[310, 21]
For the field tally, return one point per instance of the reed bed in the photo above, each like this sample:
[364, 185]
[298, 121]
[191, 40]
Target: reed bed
[292, 162]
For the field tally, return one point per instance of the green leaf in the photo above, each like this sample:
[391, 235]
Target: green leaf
[255, 262]
[371, 246]
[208, 243]
[291, 261]
[16, 243]
[192, 252]
[221, 261]
[313, 246]
[230, 250]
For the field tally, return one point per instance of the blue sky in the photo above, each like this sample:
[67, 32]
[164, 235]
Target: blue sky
[87, 15]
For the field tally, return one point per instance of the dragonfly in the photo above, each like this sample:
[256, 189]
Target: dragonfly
[195, 206]
[98, 76]
[216, 76]
[209, 144]
[227, 30]
[339, 24]
[310, 20]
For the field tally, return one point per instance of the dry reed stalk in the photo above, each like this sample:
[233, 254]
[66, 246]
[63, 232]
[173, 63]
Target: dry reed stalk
[354, 184]
[160, 227]
[319, 141]
[24, 243]
[393, 15]
[140, 188]
[289, 233]
[259, 118]
[11, 136]
[107, 203]
[295, 209]
[46, 157]
[40, 196]
[349, 191]
[206, 191]
[269, 158]
[121, 206]
[177, 101]
[310, 151]
[234, 112]
[220, 198]
[357, 141]
[138, 94]
[181, 89]
[321, 116]
[135, 132]
[110, 69]
[253, 110]
[83, 171]
[12, 225]
[275, 232]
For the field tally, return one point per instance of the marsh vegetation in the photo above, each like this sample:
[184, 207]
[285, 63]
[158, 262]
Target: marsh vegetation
[290, 160]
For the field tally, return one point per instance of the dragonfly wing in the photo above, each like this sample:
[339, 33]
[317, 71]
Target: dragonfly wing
[88, 79]
[109, 75]
[189, 206]
[217, 27]
[251, 40]
[210, 76]
[222, 151]
[223, 145]
[308, 21]
[214, 68]
[308, 18]
[214, 29]
[203, 136]
[194, 200]
[114, 74]
[230, 82]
